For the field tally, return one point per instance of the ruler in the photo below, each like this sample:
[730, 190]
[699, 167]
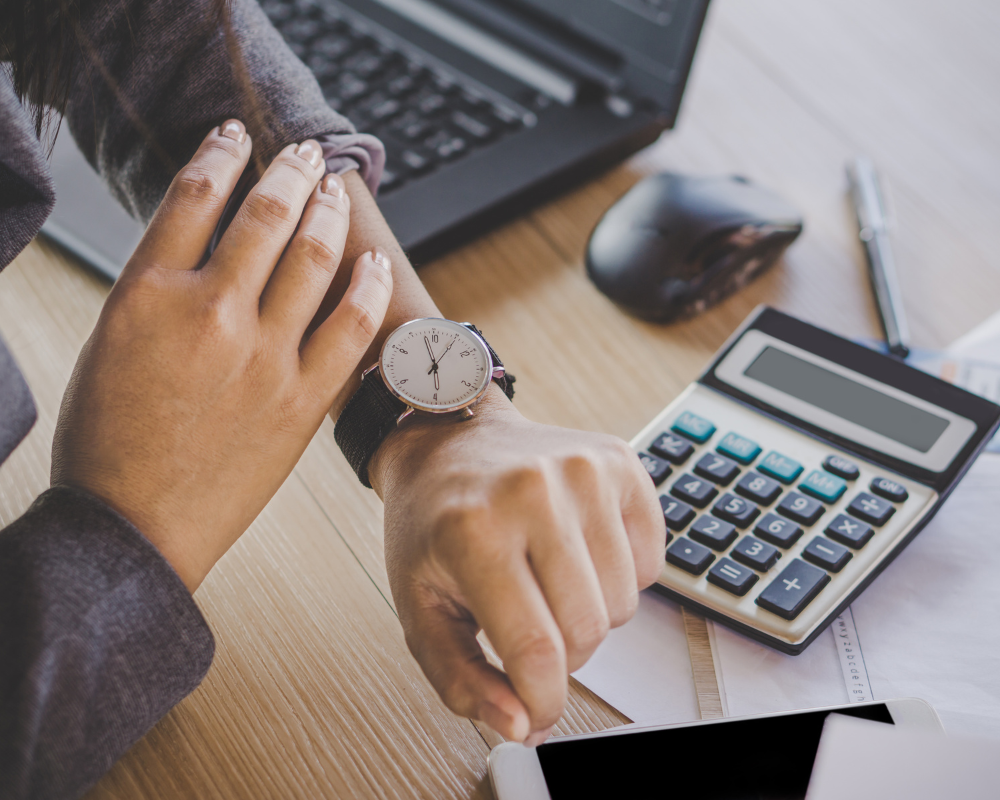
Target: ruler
[852, 660]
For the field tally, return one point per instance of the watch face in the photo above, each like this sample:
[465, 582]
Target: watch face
[436, 364]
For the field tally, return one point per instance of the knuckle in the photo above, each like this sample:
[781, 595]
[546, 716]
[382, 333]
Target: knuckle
[364, 317]
[587, 631]
[269, 207]
[538, 652]
[196, 185]
[215, 317]
[316, 250]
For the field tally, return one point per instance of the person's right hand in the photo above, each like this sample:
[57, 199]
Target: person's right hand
[199, 388]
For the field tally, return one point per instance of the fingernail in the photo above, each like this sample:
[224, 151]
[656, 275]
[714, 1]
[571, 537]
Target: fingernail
[380, 257]
[538, 737]
[334, 184]
[310, 151]
[233, 129]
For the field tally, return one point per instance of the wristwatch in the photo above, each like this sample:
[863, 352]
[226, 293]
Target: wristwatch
[431, 365]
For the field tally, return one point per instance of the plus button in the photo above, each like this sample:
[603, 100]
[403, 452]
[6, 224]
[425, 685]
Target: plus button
[791, 584]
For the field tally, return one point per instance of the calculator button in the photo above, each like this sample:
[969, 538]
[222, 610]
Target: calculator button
[676, 513]
[694, 427]
[852, 532]
[793, 589]
[735, 510]
[871, 509]
[738, 447]
[673, 448]
[827, 488]
[689, 556]
[841, 467]
[696, 491]
[657, 468]
[781, 467]
[800, 508]
[713, 532]
[717, 468]
[890, 490]
[826, 554]
[732, 577]
[758, 488]
[754, 553]
[779, 531]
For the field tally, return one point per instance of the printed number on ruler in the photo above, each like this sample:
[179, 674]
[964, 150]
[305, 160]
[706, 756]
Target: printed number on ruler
[852, 660]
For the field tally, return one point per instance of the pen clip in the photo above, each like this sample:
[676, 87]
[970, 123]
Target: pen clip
[866, 192]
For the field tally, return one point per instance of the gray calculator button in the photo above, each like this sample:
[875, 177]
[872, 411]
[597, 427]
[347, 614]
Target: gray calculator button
[732, 577]
[778, 530]
[657, 468]
[871, 509]
[696, 491]
[826, 554]
[713, 532]
[890, 490]
[676, 513]
[847, 530]
[672, 447]
[736, 510]
[794, 588]
[717, 469]
[689, 556]
[841, 467]
[754, 553]
[801, 508]
[756, 487]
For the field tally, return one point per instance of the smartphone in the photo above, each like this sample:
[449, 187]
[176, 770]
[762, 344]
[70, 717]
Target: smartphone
[762, 757]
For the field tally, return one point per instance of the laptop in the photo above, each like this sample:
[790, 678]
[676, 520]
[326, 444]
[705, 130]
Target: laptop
[486, 107]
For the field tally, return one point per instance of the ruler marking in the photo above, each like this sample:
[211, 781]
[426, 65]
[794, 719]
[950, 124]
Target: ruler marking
[852, 659]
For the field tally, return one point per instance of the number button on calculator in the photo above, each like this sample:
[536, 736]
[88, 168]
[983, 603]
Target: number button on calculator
[871, 509]
[782, 532]
[676, 513]
[713, 532]
[657, 468]
[793, 589]
[754, 553]
[735, 510]
[758, 488]
[689, 556]
[847, 530]
[732, 577]
[719, 469]
[826, 554]
[800, 508]
[675, 449]
[696, 491]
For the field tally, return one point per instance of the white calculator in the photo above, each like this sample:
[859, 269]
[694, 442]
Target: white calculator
[795, 469]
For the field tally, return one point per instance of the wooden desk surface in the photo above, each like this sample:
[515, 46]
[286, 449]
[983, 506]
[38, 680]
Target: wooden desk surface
[313, 692]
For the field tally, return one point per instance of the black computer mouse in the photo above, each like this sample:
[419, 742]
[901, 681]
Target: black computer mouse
[676, 244]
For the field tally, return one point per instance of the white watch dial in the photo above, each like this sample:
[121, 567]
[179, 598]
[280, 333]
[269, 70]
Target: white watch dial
[436, 364]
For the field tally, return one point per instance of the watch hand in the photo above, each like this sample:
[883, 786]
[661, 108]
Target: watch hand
[437, 381]
[434, 365]
[430, 352]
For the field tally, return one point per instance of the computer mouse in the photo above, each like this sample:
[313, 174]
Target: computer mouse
[675, 245]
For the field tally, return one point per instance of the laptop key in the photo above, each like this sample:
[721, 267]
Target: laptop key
[795, 587]
[732, 577]
[696, 491]
[826, 554]
[713, 532]
[676, 514]
[472, 126]
[689, 556]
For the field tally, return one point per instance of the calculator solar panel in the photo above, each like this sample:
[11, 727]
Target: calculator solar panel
[795, 469]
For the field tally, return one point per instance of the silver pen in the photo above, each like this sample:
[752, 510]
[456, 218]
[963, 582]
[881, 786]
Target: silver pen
[873, 230]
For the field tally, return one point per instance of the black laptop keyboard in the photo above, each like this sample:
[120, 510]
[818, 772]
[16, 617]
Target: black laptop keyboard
[424, 117]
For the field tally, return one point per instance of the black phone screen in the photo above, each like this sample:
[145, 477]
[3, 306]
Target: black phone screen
[748, 759]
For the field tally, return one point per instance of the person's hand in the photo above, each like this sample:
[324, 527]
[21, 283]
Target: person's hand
[199, 389]
[541, 536]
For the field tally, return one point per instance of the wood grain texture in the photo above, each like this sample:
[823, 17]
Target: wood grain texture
[313, 693]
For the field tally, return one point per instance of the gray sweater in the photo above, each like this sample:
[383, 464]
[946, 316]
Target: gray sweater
[99, 638]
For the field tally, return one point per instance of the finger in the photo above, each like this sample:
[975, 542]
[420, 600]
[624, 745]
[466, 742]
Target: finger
[442, 638]
[302, 278]
[642, 517]
[259, 232]
[335, 347]
[195, 201]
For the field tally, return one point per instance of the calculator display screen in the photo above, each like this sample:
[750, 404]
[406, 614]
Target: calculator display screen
[838, 394]
[766, 759]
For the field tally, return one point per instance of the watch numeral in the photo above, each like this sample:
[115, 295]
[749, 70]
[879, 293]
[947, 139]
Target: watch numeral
[435, 395]
[434, 338]
[403, 381]
[401, 350]
[467, 384]
[465, 353]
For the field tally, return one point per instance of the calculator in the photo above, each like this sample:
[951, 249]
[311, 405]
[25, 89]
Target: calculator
[795, 469]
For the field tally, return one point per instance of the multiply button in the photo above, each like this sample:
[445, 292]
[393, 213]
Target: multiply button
[890, 490]
[673, 448]
[842, 468]
[657, 468]
[732, 577]
[689, 556]
[827, 488]
[694, 427]
[676, 514]
[739, 447]
[783, 468]
[871, 509]
[847, 530]
[793, 589]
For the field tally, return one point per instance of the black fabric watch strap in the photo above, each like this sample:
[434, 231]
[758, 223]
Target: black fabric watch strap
[371, 413]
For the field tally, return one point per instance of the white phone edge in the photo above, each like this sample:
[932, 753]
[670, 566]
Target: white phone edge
[516, 774]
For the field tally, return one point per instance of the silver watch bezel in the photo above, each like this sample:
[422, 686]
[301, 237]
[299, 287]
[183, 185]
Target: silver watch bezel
[489, 374]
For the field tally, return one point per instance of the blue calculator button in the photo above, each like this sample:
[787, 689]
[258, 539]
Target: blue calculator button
[823, 486]
[783, 468]
[735, 446]
[694, 427]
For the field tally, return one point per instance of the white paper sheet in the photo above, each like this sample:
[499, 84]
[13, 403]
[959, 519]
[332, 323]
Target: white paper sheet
[643, 668]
